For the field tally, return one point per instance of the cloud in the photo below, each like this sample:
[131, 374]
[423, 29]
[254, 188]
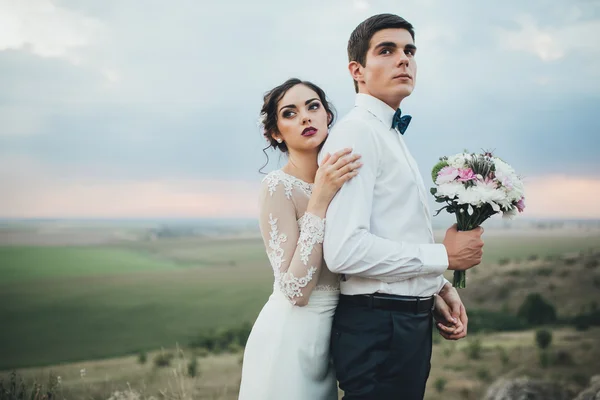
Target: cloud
[32, 190]
[109, 92]
[560, 196]
[553, 42]
[44, 29]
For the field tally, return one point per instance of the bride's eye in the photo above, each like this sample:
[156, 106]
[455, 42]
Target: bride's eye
[288, 114]
[314, 106]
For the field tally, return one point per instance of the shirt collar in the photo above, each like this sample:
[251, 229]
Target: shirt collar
[376, 107]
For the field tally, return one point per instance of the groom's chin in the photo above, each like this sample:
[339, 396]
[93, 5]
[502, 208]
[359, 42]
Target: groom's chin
[405, 90]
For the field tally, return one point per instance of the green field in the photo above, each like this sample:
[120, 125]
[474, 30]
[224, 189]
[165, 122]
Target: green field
[60, 304]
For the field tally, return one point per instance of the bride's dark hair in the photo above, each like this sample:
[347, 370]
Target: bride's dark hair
[268, 113]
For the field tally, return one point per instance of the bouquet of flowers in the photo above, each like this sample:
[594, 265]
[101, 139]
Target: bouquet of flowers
[475, 187]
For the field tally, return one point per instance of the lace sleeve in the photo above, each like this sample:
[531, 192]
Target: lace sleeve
[294, 247]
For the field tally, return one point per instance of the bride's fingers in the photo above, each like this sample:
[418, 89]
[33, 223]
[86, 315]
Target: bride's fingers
[326, 157]
[349, 175]
[338, 155]
[345, 160]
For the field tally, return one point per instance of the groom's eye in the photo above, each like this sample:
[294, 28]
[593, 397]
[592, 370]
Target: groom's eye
[409, 52]
[385, 51]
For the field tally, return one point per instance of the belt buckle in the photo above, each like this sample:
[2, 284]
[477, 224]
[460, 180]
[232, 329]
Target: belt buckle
[433, 303]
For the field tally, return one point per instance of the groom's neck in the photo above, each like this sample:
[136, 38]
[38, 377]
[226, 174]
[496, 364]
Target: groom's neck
[393, 102]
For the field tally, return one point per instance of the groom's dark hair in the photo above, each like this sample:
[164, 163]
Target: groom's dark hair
[360, 39]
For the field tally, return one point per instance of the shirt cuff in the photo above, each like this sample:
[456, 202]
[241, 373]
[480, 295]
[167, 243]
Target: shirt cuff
[434, 258]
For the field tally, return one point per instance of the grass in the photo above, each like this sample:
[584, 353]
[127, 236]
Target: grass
[66, 303]
[508, 355]
[113, 305]
[24, 263]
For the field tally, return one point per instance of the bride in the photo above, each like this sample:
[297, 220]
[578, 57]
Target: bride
[287, 354]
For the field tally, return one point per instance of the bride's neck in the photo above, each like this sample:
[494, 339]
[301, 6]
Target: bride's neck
[302, 165]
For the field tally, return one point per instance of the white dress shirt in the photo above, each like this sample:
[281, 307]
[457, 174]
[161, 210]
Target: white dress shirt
[379, 233]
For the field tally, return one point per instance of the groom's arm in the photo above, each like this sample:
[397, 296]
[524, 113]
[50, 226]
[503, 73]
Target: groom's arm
[349, 246]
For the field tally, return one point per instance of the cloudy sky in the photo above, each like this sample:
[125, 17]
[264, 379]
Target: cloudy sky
[122, 108]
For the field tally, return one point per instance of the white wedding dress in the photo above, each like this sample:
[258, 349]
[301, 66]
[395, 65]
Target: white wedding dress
[287, 354]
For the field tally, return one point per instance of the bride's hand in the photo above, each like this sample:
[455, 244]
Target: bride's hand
[335, 170]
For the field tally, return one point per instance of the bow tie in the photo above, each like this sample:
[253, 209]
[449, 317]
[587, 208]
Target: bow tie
[400, 122]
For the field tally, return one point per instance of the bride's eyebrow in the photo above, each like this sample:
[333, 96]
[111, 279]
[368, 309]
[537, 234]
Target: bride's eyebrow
[293, 106]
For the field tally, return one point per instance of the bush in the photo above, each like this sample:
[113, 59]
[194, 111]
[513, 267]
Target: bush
[532, 257]
[563, 357]
[580, 379]
[504, 261]
[484, 374]
[234, 348]
[163, 359]
[201, 352]
[192, 368]
[544, 359]
[219, 340]
[503, 355]
[544, 271]
[503, 292]
[473, 349]
[142, 357]
[440, 384]
[15, 389]
[584, 320]
[494, 321]
[535, 310]
[570, 261]
[591, 264]
[543, 338]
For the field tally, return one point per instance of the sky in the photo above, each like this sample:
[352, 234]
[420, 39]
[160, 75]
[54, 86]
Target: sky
[148, 108]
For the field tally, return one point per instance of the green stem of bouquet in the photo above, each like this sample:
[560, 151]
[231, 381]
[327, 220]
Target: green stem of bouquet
[466, 222]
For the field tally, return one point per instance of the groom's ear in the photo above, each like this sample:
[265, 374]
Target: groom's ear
[356, 71]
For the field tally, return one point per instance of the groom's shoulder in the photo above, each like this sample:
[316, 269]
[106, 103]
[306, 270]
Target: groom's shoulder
[357, 119]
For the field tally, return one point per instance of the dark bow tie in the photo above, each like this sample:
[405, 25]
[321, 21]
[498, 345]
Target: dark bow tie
[400, 122]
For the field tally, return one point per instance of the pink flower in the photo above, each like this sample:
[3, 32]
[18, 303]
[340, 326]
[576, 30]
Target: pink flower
[521, 204]
[466, 174]
[446, 174]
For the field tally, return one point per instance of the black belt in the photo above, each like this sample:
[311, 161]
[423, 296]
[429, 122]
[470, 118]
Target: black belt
[382, 301]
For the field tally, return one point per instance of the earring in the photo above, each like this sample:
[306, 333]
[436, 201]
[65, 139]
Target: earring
[279, 140]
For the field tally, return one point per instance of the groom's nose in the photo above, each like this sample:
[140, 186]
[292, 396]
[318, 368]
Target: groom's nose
[403, 59]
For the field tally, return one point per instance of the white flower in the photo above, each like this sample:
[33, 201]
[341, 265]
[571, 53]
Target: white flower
[458, 160]
[450, 189]
[59, 380]
[82, 372]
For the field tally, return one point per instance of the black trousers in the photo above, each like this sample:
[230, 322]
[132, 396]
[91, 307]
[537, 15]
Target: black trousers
[379, 354]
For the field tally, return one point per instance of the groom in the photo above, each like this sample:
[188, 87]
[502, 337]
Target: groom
[379, 234]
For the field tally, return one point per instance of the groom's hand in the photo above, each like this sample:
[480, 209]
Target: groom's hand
[457, 310]
[446, 324]
[464, 249]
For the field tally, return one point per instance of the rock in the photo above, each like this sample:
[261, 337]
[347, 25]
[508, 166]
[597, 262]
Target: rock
[592, 392]
[527, 389]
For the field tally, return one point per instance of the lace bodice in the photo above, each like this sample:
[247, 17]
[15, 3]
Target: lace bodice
[293, 238]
